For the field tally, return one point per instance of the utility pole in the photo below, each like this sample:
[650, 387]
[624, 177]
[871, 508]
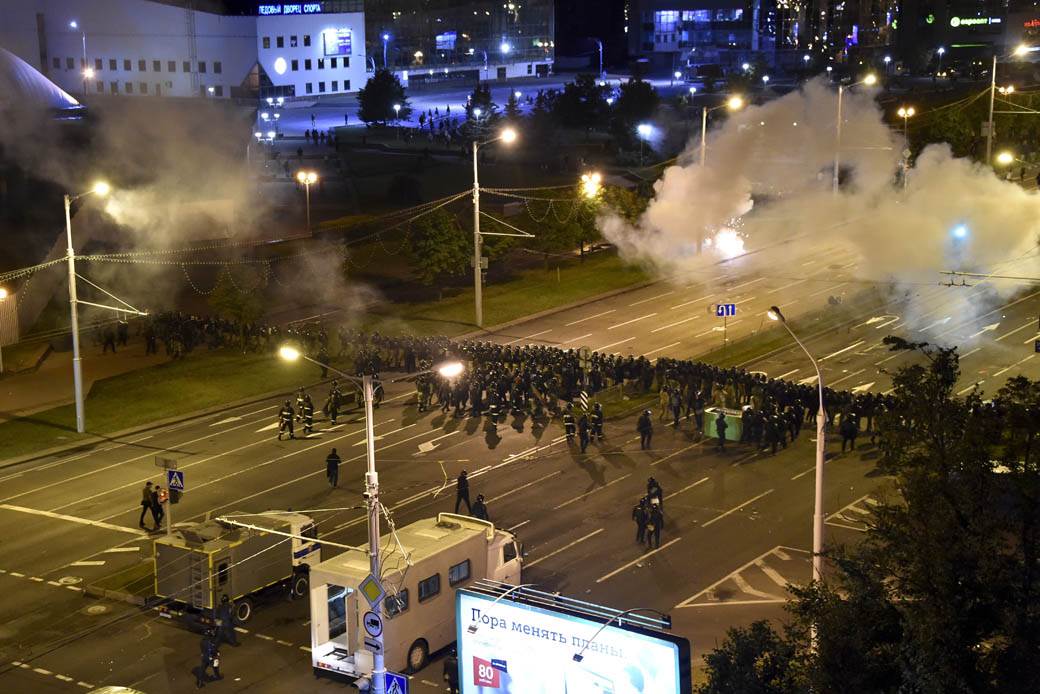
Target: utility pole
[989, 123]
[372, 494]
[477, 279]
[77, 369]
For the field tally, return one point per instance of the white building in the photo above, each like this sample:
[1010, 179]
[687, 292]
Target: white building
[151, 48]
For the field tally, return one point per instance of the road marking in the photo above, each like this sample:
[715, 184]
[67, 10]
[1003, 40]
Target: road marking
[687, 303]
[614, 344]
[785, 375]
[745, 587]
[672, 325]
[675, 453]
[226, 421]
[986, 329]
[42, 671]
[73, 519]
[269, 427]
[941, 321]
[635, 561]
[745, 284]
[582, 320]
[525, 486]
[687, 487]
[863, 387]
[1034, 337]
[643, 301]
[113, 550]
[87, 563]
[527, 337]
[519, 525]
[634, 320]
[844, 378]
[737, 508]
[963, 391]
[773, 574]
[825, 289]
[786, 286]
[687, 602]
[659, 349]
[591, 492]
[968, 354]
[809, 379]
[1017, 363]
[575, 339]
[567, 546]
[840, 351]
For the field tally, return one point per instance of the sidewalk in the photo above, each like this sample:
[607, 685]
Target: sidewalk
[51, 384]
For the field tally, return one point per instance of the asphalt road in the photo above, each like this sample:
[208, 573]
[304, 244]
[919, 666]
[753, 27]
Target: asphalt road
[738, 523]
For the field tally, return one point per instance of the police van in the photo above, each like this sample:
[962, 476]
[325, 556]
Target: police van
[423, 564]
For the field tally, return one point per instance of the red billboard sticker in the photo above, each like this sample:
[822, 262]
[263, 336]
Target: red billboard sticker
[485, 674]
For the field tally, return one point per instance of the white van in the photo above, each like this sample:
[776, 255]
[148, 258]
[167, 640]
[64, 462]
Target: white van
[423, 564]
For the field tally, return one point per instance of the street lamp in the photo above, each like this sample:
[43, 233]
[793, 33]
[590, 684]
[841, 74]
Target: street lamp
[447, 370]
[888, 61]
[102, 189]
[508, 136]
[477, 112]
[74, 25]
[3, 297]
[677, 75]
[693, 91]
[1005, 158]
[1019, 51]
[906, 112]
[505, 48]
[644, 130]
[665, 620]
[386, 39]
[307, 178]
[869, 80]
[734, 103]
[821, 446]
[765, 79]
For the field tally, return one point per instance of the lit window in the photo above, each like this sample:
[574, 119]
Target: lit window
[267, 42]
[665, 20]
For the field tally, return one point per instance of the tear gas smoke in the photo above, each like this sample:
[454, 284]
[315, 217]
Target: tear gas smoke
[769, 176]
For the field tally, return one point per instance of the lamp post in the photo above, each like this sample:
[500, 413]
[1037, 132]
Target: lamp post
[83, 35]
[386, 39]
[1018, 52]
[906, 112]
[100, 188]
[665, 620]
[3, 297]
[868, 80]
[940, 51]
[508, 136]
[644, 130]
[733, 103]
[449, 370]
[821, 446]
[888, 62]
[397, 119]
[307, 178]
[600, 45]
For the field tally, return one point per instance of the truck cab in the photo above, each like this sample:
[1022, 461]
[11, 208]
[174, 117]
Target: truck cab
[505, 562]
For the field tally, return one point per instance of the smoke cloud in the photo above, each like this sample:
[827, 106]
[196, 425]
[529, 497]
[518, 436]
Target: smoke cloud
[769, 176]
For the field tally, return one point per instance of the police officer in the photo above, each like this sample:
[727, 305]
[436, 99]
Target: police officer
[849, 430]
[720, 429]
[462, 492]
[226, 618]
[569, 425]
[654, 493]
[299, 404]
[583, 431]
[597, 421]
[308, 415]
[332, 462]
[641, 516]
[210, 653]
[333, 403]
[285, 420]
[645, 427]
[480, 509]
[653, 526]
[451, 672]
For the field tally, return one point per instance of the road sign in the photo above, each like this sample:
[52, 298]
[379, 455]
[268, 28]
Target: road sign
[175, 480]
[372, 590]
[396, 684]
[722, 310]
[373, 646]
[583, 398]
[373, 624]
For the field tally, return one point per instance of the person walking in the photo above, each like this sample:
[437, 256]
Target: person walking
[285, 420]
[597, 421]
[645, 427]
[583, 431]
[569, 425]
[653, 526]
[226, 621]
[451, 672]
[720, 429]
[849, 430]
[332, 462]
[480, 509]
[210, 658]
[462, 492]
[641, 517]
[156, 506]
[146, 502]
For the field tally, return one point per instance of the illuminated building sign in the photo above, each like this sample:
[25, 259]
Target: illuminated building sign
[338, 41]
[956, 22]
[1032, 24]
[290, 8]
[446, 41]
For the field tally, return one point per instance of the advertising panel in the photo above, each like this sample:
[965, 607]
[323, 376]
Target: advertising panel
[337, 41]
[518, 648]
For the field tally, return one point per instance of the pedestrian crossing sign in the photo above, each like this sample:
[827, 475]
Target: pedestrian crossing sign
[396, 684]
[175, 480]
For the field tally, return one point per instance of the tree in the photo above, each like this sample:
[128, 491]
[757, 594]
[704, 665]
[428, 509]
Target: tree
[378, 96]
[755, 660]
[637, 101]
[440, 249]
[231, 300]
[582, 104]
[512, 110]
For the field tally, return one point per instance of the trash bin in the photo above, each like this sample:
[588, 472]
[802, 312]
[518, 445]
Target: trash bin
[734, 429]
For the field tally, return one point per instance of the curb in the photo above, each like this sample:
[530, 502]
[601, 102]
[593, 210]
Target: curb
[129, 598]
[95, 439]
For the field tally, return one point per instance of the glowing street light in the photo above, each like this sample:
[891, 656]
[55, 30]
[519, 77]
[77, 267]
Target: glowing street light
[517, 94]
[507, 136]
[1020, 51]
[869, 80]
[504, 47]
[733, 103]
[3, 296]
[307, 179]
[610, 101]
[88, 73]
[477, 112]
[765, 79]
[693, 90]
[806, 58]
[906, 113]
[1005, 158]
[745, 67]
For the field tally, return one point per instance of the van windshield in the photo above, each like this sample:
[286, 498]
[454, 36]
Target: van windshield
[310, 531]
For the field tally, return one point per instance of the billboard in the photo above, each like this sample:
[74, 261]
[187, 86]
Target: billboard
[518, 648]
[337, 41]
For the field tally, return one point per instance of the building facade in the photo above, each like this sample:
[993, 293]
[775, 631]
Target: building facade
[674, 34]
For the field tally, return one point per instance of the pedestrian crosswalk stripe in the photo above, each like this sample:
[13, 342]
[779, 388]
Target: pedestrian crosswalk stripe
[269, 427]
